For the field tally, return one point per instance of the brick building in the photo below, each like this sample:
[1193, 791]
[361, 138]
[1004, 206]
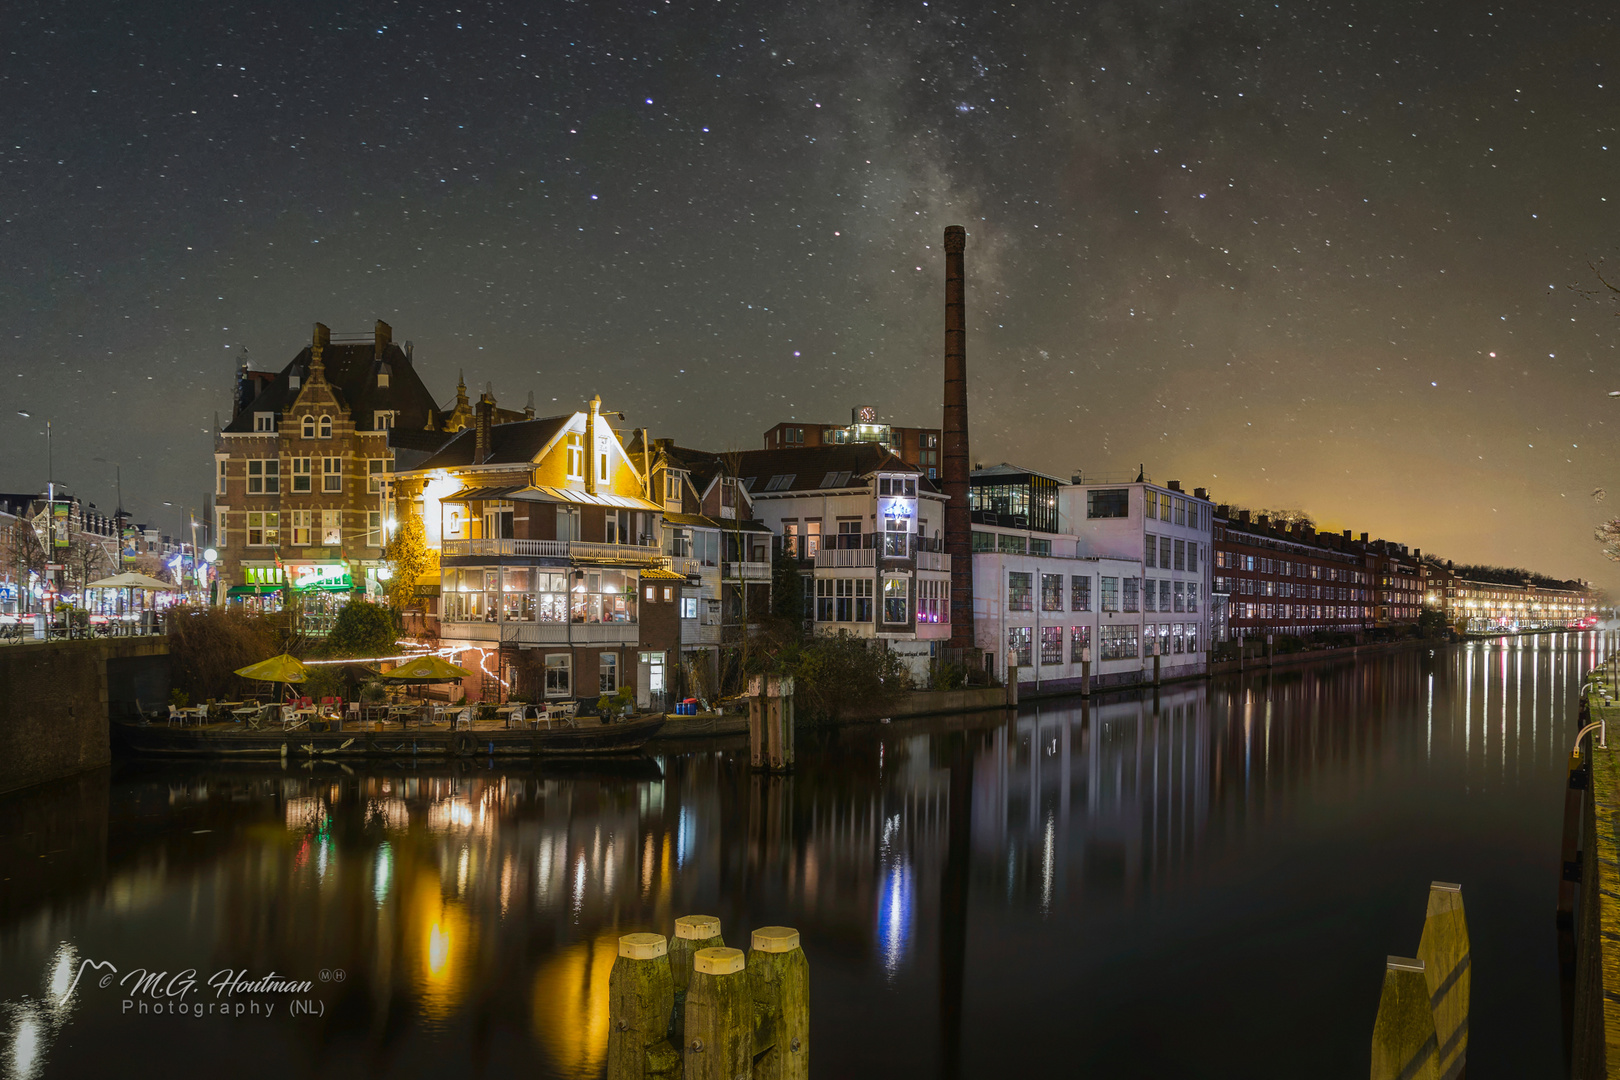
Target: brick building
[1274, 578]
[300, 472]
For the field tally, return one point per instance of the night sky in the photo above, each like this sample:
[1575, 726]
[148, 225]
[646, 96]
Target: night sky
[1324, 255]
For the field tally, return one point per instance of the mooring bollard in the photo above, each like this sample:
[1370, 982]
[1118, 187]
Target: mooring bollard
[781, 983]
[641, 1000]
[719, 1037]
[770, 722]
[1446, 968]
[692, 932]
[1404, 1046]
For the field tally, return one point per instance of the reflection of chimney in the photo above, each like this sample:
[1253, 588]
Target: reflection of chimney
[958, 523]
[484, 428]
[590, 445]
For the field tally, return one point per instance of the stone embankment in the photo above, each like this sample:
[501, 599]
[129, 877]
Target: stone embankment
[56, 698]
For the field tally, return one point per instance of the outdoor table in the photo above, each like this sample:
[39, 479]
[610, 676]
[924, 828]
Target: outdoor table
[505, 713]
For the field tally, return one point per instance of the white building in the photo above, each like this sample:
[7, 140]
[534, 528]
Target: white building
[1121, 569]
[867, 530]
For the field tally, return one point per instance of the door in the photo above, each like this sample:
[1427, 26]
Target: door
[650, 681]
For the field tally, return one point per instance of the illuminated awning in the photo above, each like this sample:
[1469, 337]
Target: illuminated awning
[583, 498]
[480, 494]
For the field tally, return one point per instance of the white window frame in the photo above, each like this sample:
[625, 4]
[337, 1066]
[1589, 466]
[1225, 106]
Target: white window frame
[331, 528]
[222, 517]
[331, 478]
[268, 478]
[302, 527]
[383, 419]
[566, 667]
[326, 427]
[302, 484]
[264, 421]
[607, 673]
[307, 427]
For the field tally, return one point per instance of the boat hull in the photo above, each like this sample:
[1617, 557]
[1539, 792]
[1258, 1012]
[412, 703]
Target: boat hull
[586, 740]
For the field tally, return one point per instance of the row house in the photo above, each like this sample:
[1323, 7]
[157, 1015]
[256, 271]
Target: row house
[550, 555]
[300, 489]
[866, 528]
[914, 445]
[1107, 573]
[1473, 605]
[1276, 578]
[720, 554]
[1286, 578]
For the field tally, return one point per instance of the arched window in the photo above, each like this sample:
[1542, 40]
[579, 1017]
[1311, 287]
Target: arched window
[309, 427]
[326, 427]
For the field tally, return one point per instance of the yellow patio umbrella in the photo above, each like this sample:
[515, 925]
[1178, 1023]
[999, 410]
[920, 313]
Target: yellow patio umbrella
[278, 669]
[427, 669]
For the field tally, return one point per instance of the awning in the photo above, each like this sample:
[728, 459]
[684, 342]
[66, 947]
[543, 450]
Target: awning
[480, 494]
[658, 573]
[583, 498]
[252, 590]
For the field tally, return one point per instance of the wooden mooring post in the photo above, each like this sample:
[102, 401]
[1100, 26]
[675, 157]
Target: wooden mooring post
[770, 722]
[700, 1011]
[1421, 1031]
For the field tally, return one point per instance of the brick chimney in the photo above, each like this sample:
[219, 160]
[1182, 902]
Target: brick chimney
[484, 427]
[1201, 493]
[1265, 521]
[1175, 485]
[1243, 516]
[958, 523]
[317, 352]
[382, 337]
[1363, 538]
[1347, 536]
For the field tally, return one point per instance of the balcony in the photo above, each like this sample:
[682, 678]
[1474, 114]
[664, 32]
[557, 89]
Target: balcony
[746, 571]
[840, 558]
[528, 633]
[699, 633]
[933, 560]
[579, 551]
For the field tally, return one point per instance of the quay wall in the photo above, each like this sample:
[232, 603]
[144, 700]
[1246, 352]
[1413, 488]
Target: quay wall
[56, 698]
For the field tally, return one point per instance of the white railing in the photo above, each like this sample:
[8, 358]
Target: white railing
[556, 549]
[846, 557]
[748, 571]
[527, 633]
[933, 560]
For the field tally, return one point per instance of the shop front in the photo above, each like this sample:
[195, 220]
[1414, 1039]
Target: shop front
[317, 590]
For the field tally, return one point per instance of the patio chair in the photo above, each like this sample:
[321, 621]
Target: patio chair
[516, 717]
[290, 720]
[567, 712]
[464, 718]
[255, 721]
[175, 714]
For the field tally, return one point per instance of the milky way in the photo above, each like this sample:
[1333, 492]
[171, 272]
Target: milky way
[1324, 255]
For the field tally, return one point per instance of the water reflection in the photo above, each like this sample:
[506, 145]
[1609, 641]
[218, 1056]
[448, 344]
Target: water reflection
[977, 890]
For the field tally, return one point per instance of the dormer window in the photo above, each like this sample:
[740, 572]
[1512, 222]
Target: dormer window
[309, 427]
[294, 381]
[264, 421]
[326, 427]
[382, 376]
[383, 419]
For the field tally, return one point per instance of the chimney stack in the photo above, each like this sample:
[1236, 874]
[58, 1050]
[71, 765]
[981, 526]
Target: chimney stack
[590, 445]
[958, 524]
[1363, 538]
[317, 352]
[1201, 493]
[382, 337]
[484, 428]
[1175, 485]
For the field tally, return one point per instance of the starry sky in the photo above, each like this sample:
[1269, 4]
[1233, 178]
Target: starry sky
[1319, 255]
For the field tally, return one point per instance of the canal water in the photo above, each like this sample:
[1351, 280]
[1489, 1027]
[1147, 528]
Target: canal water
[1204, 883]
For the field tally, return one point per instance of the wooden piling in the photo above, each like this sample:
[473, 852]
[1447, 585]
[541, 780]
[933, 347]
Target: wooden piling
[781, 985]
[1444, 951]
[1404, 1046]
[640, 1002]
[770, 722]
[719, 1038]
[692, 932]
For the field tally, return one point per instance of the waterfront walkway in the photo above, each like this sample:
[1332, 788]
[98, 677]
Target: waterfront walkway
[1595, 1043]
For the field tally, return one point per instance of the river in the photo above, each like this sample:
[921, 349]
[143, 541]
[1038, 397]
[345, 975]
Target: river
[1204, 883]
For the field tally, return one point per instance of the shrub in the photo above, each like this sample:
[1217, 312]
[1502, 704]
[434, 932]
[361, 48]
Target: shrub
[207, 645]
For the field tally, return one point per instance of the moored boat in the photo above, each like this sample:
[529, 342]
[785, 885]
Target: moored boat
[366, 740]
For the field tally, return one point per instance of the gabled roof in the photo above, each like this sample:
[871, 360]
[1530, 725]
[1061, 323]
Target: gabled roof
[517, 443]
[351, 372]
[801, 469]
